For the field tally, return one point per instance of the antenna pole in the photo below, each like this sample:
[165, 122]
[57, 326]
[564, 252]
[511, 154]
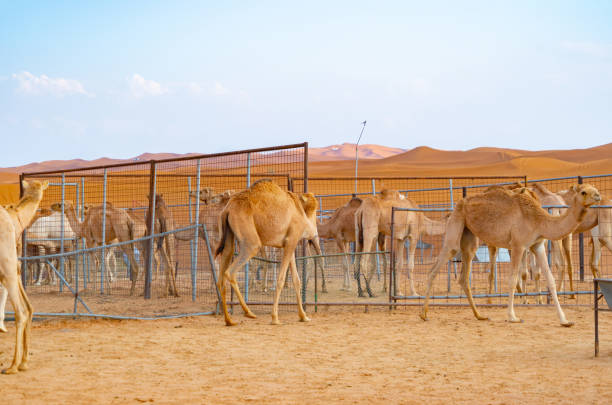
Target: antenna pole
[357, 153]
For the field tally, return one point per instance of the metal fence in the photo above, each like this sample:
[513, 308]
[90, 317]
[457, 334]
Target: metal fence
[64, 273]
[117, 234]
[588, 252]
[437, 194]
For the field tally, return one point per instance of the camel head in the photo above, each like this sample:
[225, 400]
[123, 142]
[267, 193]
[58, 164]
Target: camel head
[388, 194]
[584, 194]
[206, 195]
[58, 206]
[309, 204]
[34, 188]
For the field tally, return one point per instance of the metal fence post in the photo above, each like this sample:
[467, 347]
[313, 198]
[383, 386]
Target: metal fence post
[150, 230]
[194, 262]
[103, 262]
[24, 265]
[246, 266]
[62, 271]
[581, 245]
[304, 243]
[392, 258]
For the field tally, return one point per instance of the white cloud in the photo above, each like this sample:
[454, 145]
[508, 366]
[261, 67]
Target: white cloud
[588, 48]
[219, 89]
[43, 84]
[139, 87]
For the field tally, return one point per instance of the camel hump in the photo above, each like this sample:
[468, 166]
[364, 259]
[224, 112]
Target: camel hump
[388, 194]
[355, 202]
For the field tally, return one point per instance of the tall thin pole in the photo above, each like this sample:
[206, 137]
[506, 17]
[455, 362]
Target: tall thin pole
[357, 153]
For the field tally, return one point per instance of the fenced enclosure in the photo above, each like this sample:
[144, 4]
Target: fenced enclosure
[109, 236]
[89, 266]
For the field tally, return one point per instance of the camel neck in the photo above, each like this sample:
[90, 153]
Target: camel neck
[558, 227]
[75, 224]
[24, 212]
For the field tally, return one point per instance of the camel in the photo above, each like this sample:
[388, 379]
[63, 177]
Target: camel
[12, 224]
[514, 221]
[265, 215]
[46, 231]
[341, 228]
[164, 222]
[119, 226]
[373, 217]
[43, 212]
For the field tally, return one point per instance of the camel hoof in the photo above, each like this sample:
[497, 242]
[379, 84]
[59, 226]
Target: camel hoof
[275, 322]
[23, 367]
[250, 315]
[423, 316]
[229, 322]
[3, 329]
[517, 320]
[305, 319]
[568, 324]
[12, 370]
[482, 318]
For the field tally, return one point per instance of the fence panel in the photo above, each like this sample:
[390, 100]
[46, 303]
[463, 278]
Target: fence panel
[428, 193]
[151, 209]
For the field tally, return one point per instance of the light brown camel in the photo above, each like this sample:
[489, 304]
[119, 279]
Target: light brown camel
[599, 222]
[12, 224]
[265, 215]
[40, 213]
[164, 222]
[374, 218]
[514, 221]
[341, 228]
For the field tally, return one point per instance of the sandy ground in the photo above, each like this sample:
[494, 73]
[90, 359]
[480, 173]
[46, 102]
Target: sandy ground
[340, 357]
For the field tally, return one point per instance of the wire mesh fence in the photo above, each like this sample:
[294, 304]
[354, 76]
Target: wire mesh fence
[140, 230]
[108, 236]
[337, 230]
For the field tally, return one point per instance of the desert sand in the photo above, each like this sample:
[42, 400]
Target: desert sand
[339, 357]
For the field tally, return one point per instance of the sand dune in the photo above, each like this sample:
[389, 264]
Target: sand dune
[377, 160]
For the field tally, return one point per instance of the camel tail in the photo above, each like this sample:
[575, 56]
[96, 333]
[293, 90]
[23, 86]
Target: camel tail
[358, 231]
[226, 232]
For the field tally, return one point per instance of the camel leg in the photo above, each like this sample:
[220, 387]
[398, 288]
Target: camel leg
[226, 258]
[280, 282]
[516, 259]
[492, 261]
[129, 251]
[411, 251]
[566, 244]
[318, 262]
[23, 313]
[381, 248]
[170, 272]
[542, 263]
[298, 290]
[361, 262]
[346, 283]
[246, 253]
[370, 270]
[450, 246]
[557, 262]
[3, 299]
[469, 244]
[42, 265]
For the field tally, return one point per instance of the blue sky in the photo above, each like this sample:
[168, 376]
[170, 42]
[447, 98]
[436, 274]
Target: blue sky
[116, 79]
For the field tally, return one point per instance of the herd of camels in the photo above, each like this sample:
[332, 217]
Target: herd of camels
[265, 215]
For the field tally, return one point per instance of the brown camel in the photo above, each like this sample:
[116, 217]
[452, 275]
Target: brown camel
[514, 221]
[341, 228]
[12, 224]
[374, 218]
[265, 215]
